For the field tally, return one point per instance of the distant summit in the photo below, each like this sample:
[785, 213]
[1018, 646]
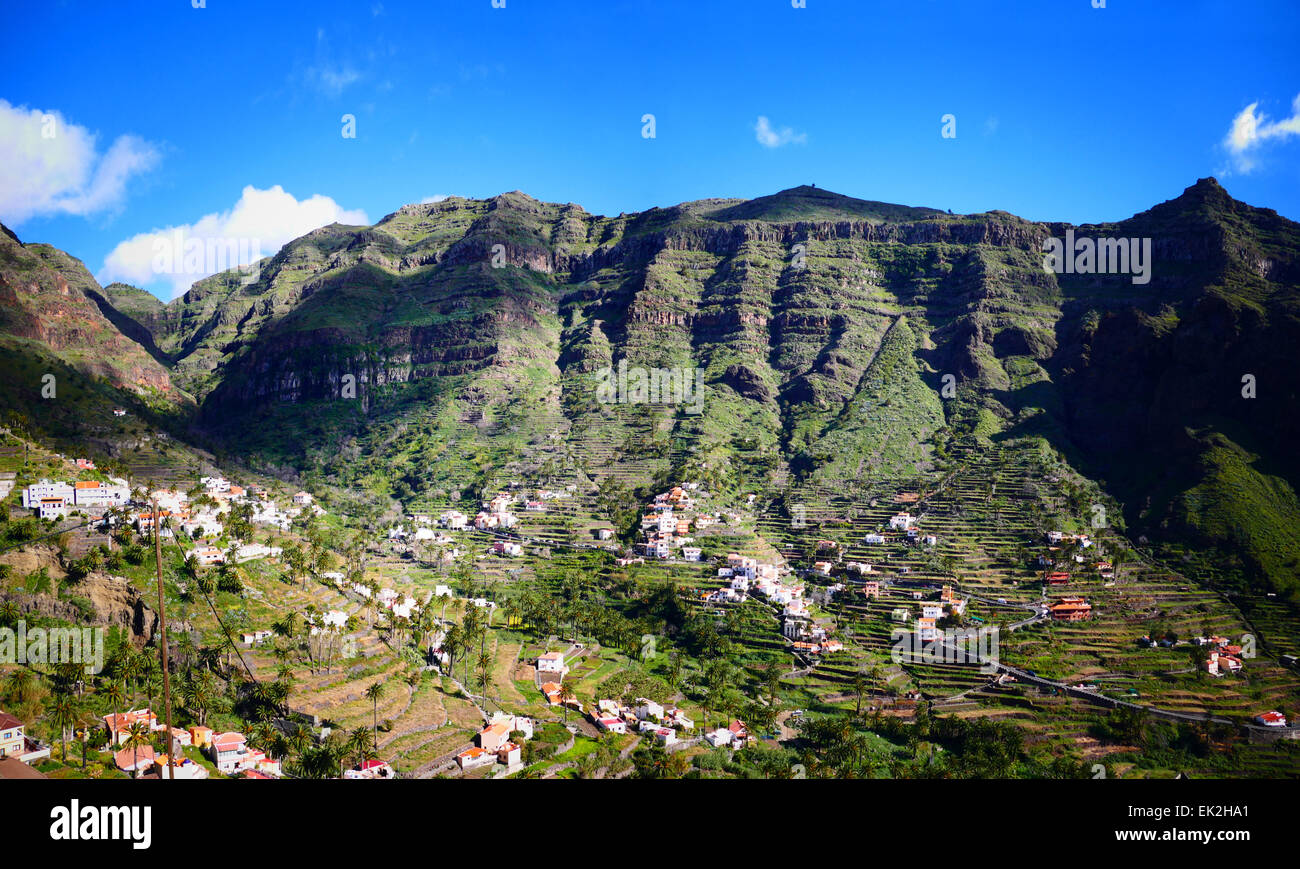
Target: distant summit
[814, 203]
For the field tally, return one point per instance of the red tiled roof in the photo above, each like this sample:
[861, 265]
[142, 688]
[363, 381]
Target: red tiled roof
[228, 739]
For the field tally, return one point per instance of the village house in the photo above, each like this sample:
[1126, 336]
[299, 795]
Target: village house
[553, 692]
[521, 724]
[205, 523]
[1271, 719]
[552, 663]
[134, 760]
[232, 755]
[52, 508]
[119, 724]
[215, 485]
[475, 757]
[1220, 662]
[371, 769]
[36, 492]
[926, 632]
[611, 724]
[507, 548]
[901, 522]
[649, 710]
[675, 717]
[182, 769]
[718, 738]
[95, 494]
[13, 739]
[206, 555]
[228, 751]
[1071, 609]
[494, 736]
[144, 523]
[453, 520]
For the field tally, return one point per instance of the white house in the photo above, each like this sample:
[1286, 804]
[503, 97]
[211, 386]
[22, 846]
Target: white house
[52, 508]
[718, 737]
[94, 494]
[205, 555]
[552, 662]
[453, 519]
[33, 494]
[649, 709]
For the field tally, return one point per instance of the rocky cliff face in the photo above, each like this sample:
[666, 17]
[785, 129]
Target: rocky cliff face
[45, 298]
[117, 604]
[823, 327]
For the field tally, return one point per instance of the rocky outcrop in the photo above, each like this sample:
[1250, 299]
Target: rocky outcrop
[116, 603]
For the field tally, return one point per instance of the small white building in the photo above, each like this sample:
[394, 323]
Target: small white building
[553, 663]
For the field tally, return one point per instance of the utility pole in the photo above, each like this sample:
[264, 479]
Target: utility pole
[162, 630]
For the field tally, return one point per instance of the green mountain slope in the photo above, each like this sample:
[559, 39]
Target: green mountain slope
[460, 344]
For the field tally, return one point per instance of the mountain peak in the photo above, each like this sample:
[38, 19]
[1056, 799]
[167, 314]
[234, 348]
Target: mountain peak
[809, 202]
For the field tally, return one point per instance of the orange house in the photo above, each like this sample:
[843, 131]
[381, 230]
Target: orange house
[1071, 609]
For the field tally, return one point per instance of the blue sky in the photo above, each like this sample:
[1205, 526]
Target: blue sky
[171, 114]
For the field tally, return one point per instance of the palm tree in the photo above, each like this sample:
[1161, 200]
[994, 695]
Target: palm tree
[21, 687]
[63, 715]
[566, 695]
[116, 696]
[484, 667]
[360, 745]
[196, 694]
[374, 693]
[137, 734]
[132, 667]
[299, 738]
[1118, 559]
[859, 688]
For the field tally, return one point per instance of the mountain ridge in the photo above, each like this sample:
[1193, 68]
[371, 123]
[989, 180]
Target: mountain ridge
[826, 329]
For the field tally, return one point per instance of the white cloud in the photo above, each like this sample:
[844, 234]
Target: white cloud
[258, 225]
[435, 198]
[1251, 130]
[775, 138]
[50, 166]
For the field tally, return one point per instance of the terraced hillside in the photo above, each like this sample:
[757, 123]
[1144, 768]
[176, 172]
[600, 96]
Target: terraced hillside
[453, 340]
